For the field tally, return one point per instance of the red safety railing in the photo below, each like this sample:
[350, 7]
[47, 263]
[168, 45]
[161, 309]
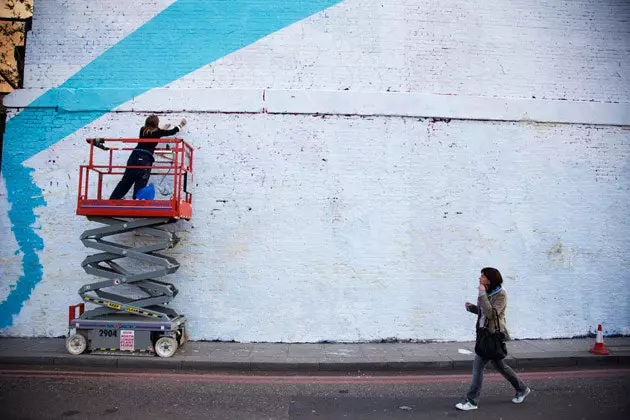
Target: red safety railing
[171, 174]
[75, 311]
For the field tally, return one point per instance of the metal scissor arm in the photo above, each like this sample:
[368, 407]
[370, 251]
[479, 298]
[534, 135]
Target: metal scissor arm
[118, 279]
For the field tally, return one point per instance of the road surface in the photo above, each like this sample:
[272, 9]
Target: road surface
[37, 393]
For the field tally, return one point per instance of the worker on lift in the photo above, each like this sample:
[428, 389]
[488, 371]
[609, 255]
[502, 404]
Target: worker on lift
[142, 155]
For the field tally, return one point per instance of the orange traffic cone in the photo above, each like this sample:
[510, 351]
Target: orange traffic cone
[598, 347]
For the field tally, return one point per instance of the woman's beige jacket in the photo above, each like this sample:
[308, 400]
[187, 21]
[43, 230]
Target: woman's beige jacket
[497, 301]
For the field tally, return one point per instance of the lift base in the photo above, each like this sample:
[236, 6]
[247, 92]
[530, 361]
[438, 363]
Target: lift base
[126, 334]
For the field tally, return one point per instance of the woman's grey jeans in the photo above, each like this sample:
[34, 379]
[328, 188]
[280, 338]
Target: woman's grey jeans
[479, 365]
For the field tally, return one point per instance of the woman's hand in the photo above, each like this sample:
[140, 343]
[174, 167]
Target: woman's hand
[182, 123]
[468, 305]
[482, 288]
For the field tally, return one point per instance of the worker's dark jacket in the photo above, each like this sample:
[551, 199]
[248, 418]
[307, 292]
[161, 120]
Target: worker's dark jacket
[150, 147]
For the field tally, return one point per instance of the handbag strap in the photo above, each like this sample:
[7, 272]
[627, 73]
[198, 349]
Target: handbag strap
[496, 319]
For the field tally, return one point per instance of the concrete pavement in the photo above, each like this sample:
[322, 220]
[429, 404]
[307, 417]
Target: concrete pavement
[328, 357]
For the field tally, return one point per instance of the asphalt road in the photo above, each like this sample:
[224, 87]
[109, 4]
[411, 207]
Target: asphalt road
[63, 394]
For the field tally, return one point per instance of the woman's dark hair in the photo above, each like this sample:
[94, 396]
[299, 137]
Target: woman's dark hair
[494, 277]
[150, 125]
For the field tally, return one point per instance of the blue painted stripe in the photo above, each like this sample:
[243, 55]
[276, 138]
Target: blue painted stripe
[187, 35]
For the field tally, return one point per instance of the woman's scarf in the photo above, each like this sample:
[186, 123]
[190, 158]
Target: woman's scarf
[494, 292]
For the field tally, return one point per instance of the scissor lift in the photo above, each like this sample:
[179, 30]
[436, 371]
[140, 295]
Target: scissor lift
[130, 313]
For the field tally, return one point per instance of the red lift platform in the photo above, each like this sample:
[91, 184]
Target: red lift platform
[173, 168]
[130, 310]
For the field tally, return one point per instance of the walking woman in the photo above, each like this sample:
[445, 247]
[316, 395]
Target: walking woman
[491, 306]
[142, 155]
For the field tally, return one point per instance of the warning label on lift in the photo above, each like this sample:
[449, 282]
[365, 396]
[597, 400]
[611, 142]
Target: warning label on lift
[127, 340]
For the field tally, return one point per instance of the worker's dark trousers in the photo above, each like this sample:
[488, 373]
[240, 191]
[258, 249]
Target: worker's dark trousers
[134, 176]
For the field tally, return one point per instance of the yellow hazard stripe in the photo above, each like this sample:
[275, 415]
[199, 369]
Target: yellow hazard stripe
[103, 302]
[119, 307]
[138, 311]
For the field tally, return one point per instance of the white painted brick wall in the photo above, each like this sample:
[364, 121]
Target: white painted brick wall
[68, 34]
[347, 228]
[356, 228]
[574, 50]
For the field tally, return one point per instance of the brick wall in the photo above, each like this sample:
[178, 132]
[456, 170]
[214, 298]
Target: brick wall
[572, 50]
[356, 169]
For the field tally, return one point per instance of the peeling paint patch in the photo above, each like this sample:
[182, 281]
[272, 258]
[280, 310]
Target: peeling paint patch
[560, 255]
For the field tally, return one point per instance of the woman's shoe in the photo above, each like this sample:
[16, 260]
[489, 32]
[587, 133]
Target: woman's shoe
[465, 406]
[520, 396]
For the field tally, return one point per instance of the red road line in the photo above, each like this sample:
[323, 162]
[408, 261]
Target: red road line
[280, 380]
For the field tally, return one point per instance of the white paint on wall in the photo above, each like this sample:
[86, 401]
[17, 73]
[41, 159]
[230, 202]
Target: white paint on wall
[526, 49]
[10, 258]
[358, 228]
[446, 106]
[352, 229]
[67, 35]
[529, 49]
[277, 101]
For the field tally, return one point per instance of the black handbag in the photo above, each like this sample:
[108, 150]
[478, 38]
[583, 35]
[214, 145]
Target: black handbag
[491, 346]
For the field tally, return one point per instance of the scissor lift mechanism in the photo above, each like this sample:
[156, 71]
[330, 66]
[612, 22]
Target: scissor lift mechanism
[131, 315]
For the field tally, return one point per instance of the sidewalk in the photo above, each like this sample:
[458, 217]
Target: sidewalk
[440, 357]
